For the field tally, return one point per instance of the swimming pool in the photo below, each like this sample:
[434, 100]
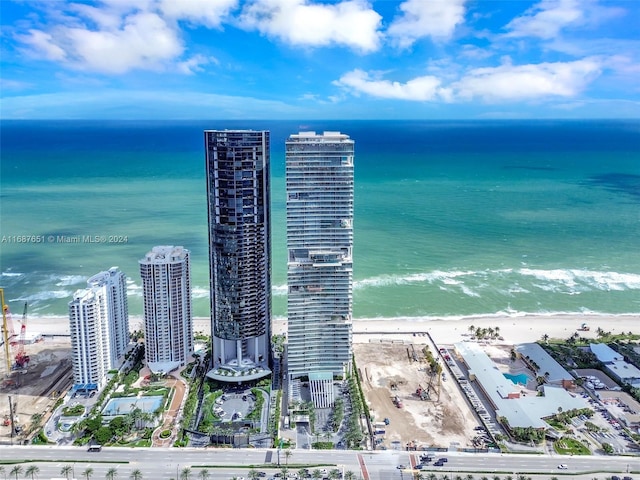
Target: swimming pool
[125, 405]
[520, 379]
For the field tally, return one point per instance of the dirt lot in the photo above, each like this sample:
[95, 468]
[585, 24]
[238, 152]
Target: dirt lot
[49, 371]
[441, 421]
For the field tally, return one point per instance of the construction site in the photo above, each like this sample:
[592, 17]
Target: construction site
[408, 392]
[34, 372]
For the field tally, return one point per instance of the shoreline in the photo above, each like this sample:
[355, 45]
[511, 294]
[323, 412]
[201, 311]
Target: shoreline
[520, 328]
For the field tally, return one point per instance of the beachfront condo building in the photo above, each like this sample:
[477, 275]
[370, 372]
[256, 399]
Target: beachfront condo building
[237, 172]
[319, 187]
[99, 328]
[166, 294]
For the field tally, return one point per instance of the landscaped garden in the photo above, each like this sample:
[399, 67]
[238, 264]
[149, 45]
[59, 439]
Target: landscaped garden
[570, 446]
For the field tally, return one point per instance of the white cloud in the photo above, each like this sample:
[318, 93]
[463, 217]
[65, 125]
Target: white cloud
[419, 89]
[139, 40]
[495, 84]
[352, 23]
[426, 18]
[194, 64]
[44, 44]
[527, 82]
[209, 13]
[144, 41]
[546, 19]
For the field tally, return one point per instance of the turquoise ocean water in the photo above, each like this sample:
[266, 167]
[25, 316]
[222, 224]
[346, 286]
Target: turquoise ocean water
[452, 219]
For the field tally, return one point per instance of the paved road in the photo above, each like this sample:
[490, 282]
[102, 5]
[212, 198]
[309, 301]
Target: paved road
[161, 464]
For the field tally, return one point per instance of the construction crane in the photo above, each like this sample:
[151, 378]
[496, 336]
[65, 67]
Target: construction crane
[22, 359]
[5, 332]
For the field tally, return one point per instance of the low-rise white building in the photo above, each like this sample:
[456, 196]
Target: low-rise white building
[507, 399]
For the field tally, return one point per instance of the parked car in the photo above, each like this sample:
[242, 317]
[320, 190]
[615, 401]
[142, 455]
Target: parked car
[563, 466]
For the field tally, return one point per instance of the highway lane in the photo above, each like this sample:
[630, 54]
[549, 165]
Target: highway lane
[162, 464]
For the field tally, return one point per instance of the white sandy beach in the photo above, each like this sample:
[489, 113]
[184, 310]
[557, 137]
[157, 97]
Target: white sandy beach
[517, 329]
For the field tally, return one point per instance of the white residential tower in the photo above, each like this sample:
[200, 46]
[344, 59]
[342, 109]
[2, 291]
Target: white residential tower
[166, 290]
[320, 185]
[99, 328]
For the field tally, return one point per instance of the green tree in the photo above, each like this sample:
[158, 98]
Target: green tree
[136, 475]
[112, 473]
[253, 474]
[349, 475]
[88, 472]
[204, 474]
[185, 474]
[17, 470]
[103, 435]
[287, 455]
[66, 471]
[316, 474]
[32, 470]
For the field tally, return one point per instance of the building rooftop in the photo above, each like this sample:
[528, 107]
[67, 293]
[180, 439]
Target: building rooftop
[165, 254]
[547, 364]
[604, 352]
[524, 411]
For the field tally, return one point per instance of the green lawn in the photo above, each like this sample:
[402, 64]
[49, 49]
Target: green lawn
[569, 446]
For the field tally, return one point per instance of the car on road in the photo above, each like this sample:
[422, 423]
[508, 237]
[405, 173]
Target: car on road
[401, 467]
[562, 466]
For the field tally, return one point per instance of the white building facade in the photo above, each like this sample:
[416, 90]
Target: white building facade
[99, 328]
[320, 188]
[168, 323]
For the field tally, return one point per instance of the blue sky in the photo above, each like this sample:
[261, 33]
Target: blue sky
[309, 59]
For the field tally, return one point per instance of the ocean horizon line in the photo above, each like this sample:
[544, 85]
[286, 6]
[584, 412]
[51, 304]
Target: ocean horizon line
[425, 318]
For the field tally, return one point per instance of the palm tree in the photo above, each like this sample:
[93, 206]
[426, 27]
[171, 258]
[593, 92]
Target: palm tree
[204, 474]
[316, 474]
[17, 470]
[136, 475]
[349, 475]
[112, 473]
[87, 473]
[496, 477]
[253, 474]
[66, 471]
[185, 474]
[287, 455]
[33, 470]
[302, 473]
[469, 476]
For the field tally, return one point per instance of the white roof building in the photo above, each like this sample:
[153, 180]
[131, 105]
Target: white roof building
[625, 372]
[520, 411]
[545, 363]
[605, 353]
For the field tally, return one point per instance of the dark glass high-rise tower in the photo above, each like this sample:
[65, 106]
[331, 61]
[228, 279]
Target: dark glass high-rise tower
[237, 167]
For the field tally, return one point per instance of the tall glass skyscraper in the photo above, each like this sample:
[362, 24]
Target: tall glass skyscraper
[237, 169]
[319, 179]
[166, 291]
